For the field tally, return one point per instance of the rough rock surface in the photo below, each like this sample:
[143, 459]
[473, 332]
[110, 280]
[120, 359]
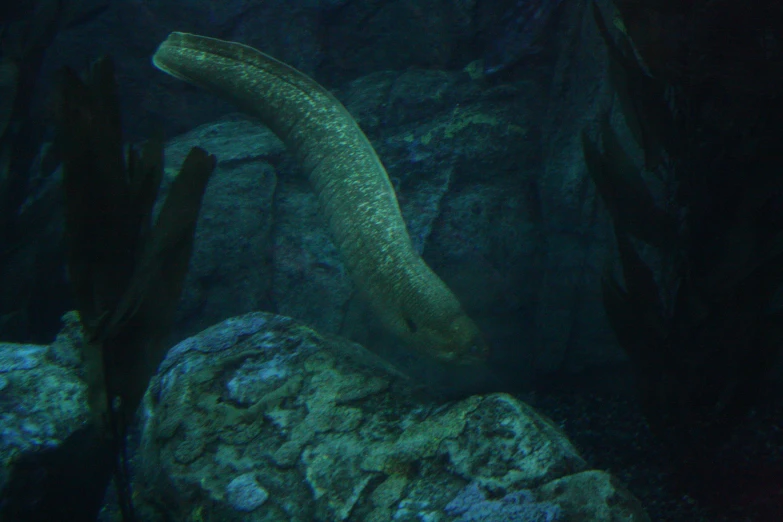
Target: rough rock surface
[42, 397]
[261, 418]
[230, 271]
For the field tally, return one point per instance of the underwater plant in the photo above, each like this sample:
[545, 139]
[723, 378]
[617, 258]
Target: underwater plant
[27, 30]
[695, 308]
[127, 271]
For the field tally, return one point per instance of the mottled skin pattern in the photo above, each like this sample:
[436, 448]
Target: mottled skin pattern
[353, 188]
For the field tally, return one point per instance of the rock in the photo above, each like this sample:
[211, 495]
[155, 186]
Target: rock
[472, 505]
[245, 494]
[262, 418]
[521, 243]
[230, 271]
[593, 495]
[42, 398]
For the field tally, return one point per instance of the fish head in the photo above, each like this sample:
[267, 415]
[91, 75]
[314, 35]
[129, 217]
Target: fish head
[469, 346]
[459, 341]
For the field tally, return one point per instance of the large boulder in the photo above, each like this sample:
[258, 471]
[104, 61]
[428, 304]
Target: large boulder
[262, 418]
[42, 396]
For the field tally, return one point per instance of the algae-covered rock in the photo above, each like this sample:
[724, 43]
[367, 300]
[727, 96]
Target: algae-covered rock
[261, 418]
[593, 495]
[42, 398]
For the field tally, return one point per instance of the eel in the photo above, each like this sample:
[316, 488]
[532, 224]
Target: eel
[353, 189]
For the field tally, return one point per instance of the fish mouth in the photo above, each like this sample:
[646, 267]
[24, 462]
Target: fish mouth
[476, 355]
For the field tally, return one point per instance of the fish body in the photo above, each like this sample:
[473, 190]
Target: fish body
[11, 10]
[354, 191]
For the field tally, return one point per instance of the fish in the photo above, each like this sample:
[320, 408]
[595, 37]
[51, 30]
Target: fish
[354, 191]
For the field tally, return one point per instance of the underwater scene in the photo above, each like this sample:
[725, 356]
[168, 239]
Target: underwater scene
[391, 261]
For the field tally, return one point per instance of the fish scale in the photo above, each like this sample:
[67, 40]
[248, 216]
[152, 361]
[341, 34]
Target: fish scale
[353, 188]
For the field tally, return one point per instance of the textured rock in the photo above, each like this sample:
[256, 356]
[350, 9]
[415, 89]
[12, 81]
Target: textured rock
[472, 505]
[593, 495]
[261, 418]
[42, 398]
[244, 493]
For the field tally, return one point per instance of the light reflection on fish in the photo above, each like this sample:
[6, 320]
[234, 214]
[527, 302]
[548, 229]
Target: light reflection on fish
[520, 31]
